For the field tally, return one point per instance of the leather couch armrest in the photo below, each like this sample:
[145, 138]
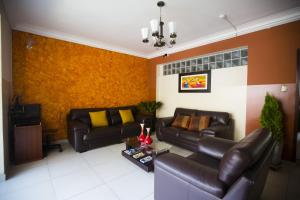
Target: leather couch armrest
[222, 131]
[75, 125]
[214, 147]
[164, 122]
[160, 124]
[196, 174]
[77, 132]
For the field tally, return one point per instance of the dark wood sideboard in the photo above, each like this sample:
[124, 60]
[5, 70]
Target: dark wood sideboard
[28, 144]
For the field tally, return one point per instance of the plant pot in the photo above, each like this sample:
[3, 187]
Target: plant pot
[276, 158]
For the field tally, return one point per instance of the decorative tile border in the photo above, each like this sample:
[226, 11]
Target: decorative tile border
[217, 60]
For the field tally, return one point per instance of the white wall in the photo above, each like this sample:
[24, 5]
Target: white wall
[228, 94]
[5, 89]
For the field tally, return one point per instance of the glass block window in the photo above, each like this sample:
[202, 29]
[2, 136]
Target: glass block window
[228, 58]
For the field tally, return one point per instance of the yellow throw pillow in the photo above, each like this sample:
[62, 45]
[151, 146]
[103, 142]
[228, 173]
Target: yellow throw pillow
[98, 118]
[126, 116]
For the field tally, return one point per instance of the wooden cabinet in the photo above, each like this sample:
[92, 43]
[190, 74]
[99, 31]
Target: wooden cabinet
[27, 143]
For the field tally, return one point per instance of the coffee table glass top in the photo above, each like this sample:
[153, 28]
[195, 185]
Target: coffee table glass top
[143, 155]
[156, 147]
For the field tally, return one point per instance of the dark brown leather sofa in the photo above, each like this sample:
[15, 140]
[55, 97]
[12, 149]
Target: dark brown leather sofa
[222, 169]
[221, 125]
[82, 136]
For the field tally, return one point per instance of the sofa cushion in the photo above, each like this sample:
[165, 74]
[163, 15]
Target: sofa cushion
[126, 116]
[130, 129]
[105, 132]
[193, 136]
[115, 118]
[197, 123]
[171, 131]
[243, 155]
[184, 111]
[98, 118]
[80, 113]
[181, 121]
[205, 160]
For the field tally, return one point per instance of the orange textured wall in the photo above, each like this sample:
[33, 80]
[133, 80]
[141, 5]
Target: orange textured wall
[63, 75]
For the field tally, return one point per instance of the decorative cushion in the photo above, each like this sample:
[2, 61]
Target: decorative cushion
[98, 119]
[114, 117]
[181, 121]
[198, 123]
[126, 116]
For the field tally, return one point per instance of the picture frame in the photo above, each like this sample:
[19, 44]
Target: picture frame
[194, 82]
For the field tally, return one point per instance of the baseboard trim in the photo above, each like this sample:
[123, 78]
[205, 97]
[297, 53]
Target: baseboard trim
[2, 177]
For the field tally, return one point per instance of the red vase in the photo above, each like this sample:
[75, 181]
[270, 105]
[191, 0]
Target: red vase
[148, 139]
[141, 137]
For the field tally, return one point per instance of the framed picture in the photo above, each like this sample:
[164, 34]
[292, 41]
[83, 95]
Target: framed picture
[194, 82]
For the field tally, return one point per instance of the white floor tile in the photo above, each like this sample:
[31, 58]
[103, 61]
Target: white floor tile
[151, 197]
[22, 177]
[135, 186]
[100, 156]
[66, 166]
[115, 169]
[98, 193]
[117, 147]
[75, 183]
[41, 191]
[30, 165]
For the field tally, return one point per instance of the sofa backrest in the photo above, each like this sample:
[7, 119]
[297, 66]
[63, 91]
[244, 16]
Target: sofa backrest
[113, 116]
[216, 118]
[243, 155]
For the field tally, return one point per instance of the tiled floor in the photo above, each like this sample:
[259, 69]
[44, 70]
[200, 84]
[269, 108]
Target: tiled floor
[284, 183]
[103, 174]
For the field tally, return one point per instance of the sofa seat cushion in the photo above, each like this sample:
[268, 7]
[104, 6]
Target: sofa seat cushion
[105, 132]
[171, 131]
[193, 136]
[130, 129]
[205, 160]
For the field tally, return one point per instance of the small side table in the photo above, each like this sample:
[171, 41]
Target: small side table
[49, 135]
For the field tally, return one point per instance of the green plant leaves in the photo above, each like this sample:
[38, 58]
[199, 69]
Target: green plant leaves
[150, 106]
[271, 117]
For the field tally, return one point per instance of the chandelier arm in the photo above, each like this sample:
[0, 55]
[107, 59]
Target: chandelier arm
[158, 40]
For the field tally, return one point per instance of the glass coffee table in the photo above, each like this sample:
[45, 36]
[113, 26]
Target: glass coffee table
[144, 155]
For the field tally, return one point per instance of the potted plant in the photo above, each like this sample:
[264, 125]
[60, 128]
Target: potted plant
[271, 117]
[150, 107]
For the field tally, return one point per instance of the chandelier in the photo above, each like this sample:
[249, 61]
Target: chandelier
[157, 31]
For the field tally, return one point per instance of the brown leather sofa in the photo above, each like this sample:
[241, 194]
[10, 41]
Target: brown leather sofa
[82, 136]
[221, 169]
[221, 125]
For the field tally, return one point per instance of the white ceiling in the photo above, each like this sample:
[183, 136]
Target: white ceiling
[116, 24]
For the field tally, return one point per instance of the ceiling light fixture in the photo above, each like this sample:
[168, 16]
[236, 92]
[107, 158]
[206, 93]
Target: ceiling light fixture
[157, 30]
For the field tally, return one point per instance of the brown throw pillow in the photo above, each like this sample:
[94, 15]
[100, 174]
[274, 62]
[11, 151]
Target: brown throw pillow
[198, 123]
[181, 121]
